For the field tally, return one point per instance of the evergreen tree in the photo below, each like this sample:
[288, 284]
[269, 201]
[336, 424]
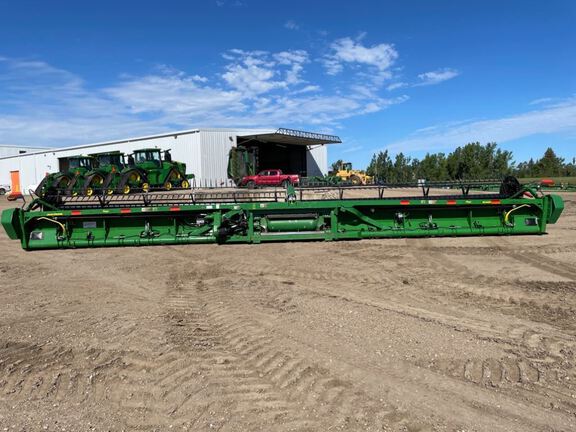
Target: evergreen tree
[550, 164]
[381, 167]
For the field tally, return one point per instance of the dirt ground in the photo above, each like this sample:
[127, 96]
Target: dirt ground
[450, 334]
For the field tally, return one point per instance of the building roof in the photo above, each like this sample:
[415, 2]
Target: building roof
[23, 146]
[295, 137]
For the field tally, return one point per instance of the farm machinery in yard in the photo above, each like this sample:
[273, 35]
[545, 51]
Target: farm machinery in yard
[115, 173]
[240, 216]
[141, 171]
[342, 175]
[106, 175]
[149, 170]
[70, 178]
[345, 173]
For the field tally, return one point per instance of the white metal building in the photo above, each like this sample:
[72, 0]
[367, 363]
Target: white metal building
[15, 150]
[205, 152]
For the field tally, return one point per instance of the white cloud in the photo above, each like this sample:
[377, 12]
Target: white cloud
[396, 86]
[257, 72]
[291, 25]
[548, 120]
[437, 76]
[541, 101]
[175, 94]
[307, 89]
[347, 51]
[50, 106]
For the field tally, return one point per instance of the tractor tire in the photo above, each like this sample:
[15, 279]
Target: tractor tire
[2, 191]
[106, 188]
[355, 180]
[60, 184]
[70, 188]
[251, 184]
[185, 184]
[172, 179]
[93, 185]
[134, 176]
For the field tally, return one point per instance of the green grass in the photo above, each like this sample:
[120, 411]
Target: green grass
[557, 180]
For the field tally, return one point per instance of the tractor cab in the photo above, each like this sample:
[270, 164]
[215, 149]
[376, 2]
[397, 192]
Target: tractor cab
[107, 168]
[76, 164]
[110, 159]
[148, 157]
[346, 166]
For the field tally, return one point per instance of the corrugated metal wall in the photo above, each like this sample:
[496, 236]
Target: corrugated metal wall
[215, 149]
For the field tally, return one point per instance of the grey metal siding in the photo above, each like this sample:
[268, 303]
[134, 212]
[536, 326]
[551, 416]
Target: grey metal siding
[215, 148]
[317, 160]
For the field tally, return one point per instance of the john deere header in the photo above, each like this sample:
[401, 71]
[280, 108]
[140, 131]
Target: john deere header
[60, 221]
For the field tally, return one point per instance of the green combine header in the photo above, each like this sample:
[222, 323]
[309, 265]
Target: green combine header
[238, 216]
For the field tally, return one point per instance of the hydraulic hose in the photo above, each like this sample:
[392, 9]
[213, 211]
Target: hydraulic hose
[56, 222]
[508, 213]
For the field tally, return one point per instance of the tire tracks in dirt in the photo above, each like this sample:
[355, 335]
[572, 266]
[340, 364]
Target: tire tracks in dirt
[542, 356]
[277, 383]
[398, 374]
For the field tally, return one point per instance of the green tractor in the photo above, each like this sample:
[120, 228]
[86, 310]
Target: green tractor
[69, 179]
[105, 177]
[149, 169]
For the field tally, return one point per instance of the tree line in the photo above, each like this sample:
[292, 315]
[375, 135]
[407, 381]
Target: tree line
[472, 161]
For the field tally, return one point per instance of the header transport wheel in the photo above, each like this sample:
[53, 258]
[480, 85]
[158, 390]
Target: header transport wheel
[510, 186]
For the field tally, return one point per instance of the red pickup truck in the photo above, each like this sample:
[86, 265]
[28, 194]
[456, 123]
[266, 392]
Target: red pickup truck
[272, 177]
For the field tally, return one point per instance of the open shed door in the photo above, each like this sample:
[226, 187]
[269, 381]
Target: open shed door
[283, 149]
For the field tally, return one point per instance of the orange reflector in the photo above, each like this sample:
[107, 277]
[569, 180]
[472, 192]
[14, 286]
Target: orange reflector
[174, 208]
[75, 212]
[405, 202]
[126, 210]
[451, 202]
[495, 201]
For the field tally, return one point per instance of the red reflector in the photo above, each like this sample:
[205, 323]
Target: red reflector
[495, 201]
[405, 202]
[125, 210]
[75, 212]
[174, 208]
[450, 202]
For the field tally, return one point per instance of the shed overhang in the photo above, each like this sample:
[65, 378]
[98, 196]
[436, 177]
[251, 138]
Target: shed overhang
[293, 137]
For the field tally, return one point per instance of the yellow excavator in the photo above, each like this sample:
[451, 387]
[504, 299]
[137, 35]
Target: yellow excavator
[345, 172]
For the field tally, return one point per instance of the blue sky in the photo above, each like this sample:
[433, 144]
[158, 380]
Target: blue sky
[412, 76]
